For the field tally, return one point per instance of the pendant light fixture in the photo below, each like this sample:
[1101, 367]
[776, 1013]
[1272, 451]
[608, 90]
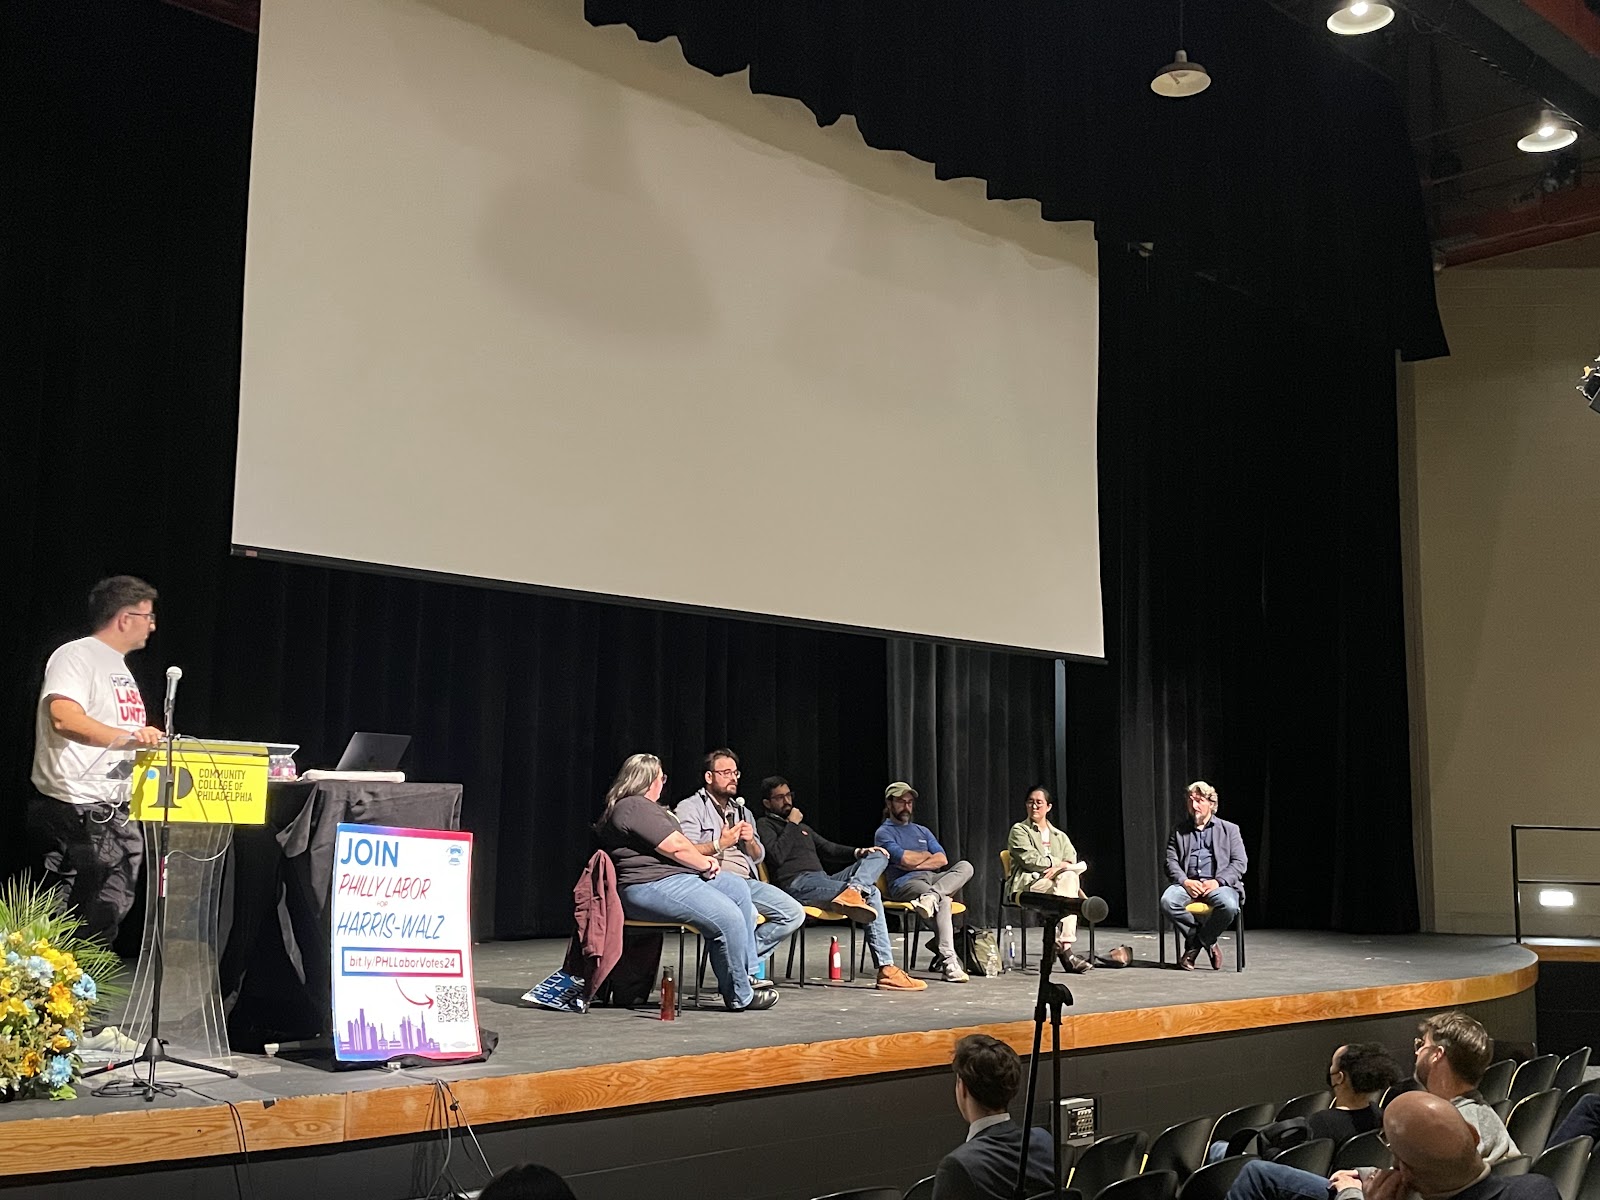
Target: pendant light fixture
[1553, 132]
[1180, 77]
[1355, 17]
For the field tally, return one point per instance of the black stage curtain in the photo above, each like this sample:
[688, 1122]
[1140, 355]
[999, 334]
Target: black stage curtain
[1248, 519]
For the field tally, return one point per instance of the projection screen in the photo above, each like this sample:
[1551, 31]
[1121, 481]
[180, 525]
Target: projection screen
[532, 302]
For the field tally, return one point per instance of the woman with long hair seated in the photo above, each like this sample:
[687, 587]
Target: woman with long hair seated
[662, 877]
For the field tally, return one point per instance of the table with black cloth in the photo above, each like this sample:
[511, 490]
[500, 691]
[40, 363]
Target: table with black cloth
[277, 961]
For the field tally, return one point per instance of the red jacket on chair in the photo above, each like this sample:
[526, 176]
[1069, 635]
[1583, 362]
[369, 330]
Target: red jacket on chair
[597, 909]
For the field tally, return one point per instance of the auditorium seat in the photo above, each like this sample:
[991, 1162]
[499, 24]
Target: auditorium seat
[1589, 1087]
[1111, 1158]
[1151, 1185]
[1517, 1164]
[1535, 1075]
[1181, 1148]
[1363, 1150]
[1590, 1188]
[1315, 1156]
[1565, 1164]
[1496, 1083]
[1250, 1116]
[1531, 1120]
[922, 1189]
[1212, 1181]
[1201, 910]
[1304, 1106]
[1570, 1073]
[867, 1193]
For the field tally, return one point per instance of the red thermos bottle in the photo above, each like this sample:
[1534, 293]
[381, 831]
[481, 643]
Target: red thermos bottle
[834, 972]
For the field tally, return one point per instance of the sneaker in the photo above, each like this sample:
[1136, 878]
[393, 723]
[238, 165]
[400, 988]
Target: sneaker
[893, 979]
[108, 1042]
[952, 972]
[853, 905]
[927, 904]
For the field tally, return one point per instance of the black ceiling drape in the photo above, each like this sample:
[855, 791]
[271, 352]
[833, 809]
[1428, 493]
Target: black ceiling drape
[1247, 474]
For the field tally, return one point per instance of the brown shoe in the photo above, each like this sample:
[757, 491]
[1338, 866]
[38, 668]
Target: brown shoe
[1188, 959]
[851, 904]
[893, 979]
[1215, 951]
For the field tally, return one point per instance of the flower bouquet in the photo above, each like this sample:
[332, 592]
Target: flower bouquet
[50, 981]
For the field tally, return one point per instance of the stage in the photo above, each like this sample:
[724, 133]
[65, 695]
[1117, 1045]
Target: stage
[1137, 1039]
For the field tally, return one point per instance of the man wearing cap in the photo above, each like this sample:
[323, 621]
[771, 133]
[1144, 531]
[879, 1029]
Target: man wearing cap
[920, 873]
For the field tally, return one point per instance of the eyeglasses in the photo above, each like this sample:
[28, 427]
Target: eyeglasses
[148, 616]
[781, 796]
[728, 772]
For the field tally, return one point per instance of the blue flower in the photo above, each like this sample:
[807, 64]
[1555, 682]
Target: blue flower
[57, 1071]
[12, 958]
[85, 989]
[40, 969]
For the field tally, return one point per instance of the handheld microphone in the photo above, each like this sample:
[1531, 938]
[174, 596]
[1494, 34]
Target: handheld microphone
[1091, 908]
[173, 675]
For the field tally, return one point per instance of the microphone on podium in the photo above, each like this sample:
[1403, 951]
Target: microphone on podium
[173, 675]
[1090, 908]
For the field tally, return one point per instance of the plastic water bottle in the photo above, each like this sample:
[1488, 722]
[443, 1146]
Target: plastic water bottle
[1011, 948]
[761, 968]
[669, 995]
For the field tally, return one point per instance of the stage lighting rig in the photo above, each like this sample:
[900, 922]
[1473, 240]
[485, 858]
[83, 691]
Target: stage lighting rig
[1589, 384]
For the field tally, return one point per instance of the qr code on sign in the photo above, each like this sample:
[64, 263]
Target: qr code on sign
[453, 1001]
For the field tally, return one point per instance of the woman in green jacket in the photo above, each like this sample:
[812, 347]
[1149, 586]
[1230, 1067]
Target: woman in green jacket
[1043, 860]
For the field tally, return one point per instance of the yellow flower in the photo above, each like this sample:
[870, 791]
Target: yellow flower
[60, 1002]
[13, 1006]
[7, 986]
[60, 1043]
[16, 938]
[31, 1062]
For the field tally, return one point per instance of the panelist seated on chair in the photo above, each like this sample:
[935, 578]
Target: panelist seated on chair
[921, 874]
[984, 1167]
[1043, 860]
[794, 854]
[661, 876]
[716, 820]
[1206, 862]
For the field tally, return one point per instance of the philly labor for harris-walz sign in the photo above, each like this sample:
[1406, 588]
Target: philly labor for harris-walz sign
[402, 945]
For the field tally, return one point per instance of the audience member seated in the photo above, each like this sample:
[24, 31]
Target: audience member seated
[1359, 1074]
[794, 853]
[1452, 1053]
[1582, 1121]
[527, 1182]
[716, 820]
[984, 1167]
[1043, 860]
[921, 874]
[1435, 1157]
[1206, 861]
[661, 876]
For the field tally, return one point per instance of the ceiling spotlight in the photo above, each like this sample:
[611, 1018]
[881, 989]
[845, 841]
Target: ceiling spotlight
[1180, 77]
[1360, 16]
[1555, 898]
[1553, 132]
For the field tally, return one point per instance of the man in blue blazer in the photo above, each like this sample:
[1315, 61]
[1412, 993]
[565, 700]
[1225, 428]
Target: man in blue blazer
[1205, 861]
[984, 1167]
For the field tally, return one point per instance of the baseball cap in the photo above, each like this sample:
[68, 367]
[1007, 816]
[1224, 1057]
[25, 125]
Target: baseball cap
[899, 789]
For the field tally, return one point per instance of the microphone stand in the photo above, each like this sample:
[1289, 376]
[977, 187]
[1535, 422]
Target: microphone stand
[155, 1050]
[1052, 998]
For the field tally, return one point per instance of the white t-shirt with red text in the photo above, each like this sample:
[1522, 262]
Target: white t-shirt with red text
[97, 677]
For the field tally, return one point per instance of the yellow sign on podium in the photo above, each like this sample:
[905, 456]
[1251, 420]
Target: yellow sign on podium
[216, 783]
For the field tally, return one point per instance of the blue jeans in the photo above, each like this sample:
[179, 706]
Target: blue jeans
[819, 889]
[719, 908]
[783, 916]
[1224, 907]
[1262, 1180]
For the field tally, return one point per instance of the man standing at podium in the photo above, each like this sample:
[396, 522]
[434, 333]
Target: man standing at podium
[90, 703]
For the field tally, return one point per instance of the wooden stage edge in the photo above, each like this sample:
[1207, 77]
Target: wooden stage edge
[1564, 950]
[169, 1134]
